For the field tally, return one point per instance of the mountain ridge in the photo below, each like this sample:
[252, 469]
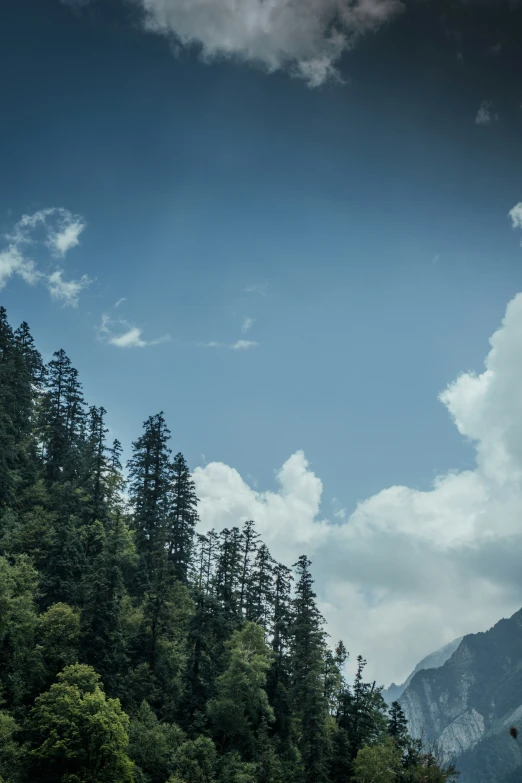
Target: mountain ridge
[467, 705]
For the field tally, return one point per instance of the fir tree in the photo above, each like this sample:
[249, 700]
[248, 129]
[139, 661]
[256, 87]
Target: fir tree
[150, 473]
[183, 518]
[307, 670]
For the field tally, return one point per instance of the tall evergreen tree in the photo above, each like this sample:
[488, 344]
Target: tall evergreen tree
[150, 474]
[307, 681]
[62, 420]
[183, 518]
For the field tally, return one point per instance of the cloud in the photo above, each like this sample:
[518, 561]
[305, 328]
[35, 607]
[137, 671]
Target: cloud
[305, 38]
[121, 334]
[120, 301]
[407, 570]
[66, 291]
[240, 345]
[516, 215]
[485, 115]
[12, 263]
[257, 288]
[243, 345]
[58, 231]
[247, 324]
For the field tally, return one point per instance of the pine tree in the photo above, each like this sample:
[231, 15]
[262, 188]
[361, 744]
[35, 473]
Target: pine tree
[260, 596]
[307, 680]
[183, 518]
[150, 473]
[96, 466]
[398, 726]
[8, 412]
[62, 420]
[250, 540]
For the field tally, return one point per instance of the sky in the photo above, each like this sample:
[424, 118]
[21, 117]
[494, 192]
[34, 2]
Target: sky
[296, 229]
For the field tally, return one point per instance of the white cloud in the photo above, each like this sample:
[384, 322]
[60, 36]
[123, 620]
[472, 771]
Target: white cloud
[120, 301]
[485, 115]
[243, 345]
[66, 238]
[66, 291]
[306, 38]
[123, 335]
[58, 231]
[516, 215]
[247, 324]
[13, 262]
[257, 288]
[240, 345]
[407, 570]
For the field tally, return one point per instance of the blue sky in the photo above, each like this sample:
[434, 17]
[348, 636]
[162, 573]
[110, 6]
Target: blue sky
[355, 234]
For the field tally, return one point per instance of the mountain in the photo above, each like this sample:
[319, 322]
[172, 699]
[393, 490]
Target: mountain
[467, 705]
[431, 661]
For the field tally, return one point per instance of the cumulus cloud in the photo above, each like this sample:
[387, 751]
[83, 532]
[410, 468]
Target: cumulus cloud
[57, 231]
[306, 38]
[122, 334]
[485, 114]
[407, 570]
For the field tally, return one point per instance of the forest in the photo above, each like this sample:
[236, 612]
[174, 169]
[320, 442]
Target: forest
[135, 648]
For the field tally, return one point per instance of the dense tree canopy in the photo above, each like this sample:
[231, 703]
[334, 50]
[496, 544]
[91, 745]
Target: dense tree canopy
[134, 647]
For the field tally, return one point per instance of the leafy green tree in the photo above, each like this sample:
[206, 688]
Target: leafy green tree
[241, 705]
[58, 637]
[231, 769]
[195, 761]
[11, 752]
[18, 622]
[153, 745]
[378, 763]
[78, 735]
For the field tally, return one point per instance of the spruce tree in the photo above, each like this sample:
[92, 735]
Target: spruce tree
[150, 474]
[182, 519]
[307, 681]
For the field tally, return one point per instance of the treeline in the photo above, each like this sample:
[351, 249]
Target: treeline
[132, 648]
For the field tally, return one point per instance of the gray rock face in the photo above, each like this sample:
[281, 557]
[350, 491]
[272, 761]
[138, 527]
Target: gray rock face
[467, 705]
[432, 661]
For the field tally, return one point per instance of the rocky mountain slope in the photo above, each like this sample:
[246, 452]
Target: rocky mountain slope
[467, 705]
[431, 661]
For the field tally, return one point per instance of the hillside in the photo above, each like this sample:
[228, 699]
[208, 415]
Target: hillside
[135, 648]
[468, 705]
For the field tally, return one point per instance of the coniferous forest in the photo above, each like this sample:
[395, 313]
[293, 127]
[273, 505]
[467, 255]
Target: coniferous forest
[133, 648]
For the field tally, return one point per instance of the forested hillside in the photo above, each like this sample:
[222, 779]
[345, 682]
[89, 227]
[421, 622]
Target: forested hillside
[133, 648]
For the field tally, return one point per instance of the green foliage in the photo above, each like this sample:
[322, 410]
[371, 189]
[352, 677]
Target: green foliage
[241, 703]
[153, 745]
[78, 735]
[133, 649]
[196, 761]
[11, 753]
[378, 764]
